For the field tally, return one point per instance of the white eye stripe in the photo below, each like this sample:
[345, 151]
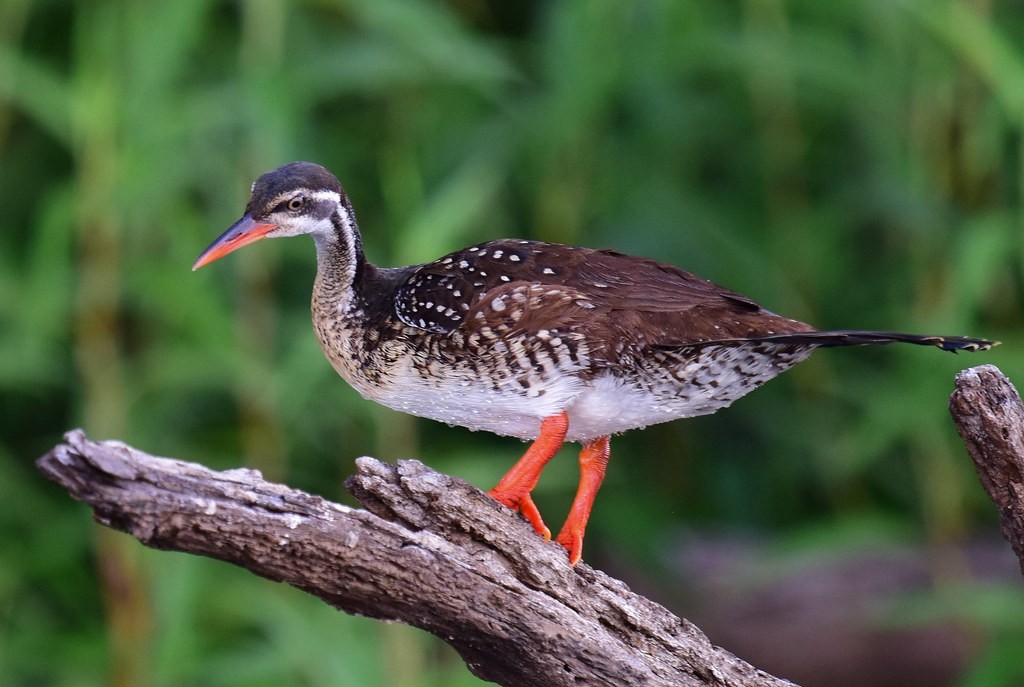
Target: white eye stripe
[332, 196]
[324, 195]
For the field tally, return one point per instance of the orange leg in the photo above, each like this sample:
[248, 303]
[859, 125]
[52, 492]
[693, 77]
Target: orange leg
[593, 461]
[514, 488]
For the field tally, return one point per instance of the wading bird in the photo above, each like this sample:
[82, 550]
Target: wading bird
[540, 341]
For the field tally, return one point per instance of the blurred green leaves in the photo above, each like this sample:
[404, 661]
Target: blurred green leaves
[851, 163]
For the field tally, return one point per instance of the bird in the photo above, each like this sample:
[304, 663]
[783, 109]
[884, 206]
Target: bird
[545, 342]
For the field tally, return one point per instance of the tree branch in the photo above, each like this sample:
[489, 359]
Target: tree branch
[429, 550]
[989, 416]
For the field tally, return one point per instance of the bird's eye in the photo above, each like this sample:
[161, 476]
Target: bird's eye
[296, 203]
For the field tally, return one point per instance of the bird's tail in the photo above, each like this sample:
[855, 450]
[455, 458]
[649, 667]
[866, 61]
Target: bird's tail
[862, 338]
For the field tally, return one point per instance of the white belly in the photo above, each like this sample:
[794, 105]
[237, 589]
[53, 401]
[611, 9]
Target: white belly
[460, 399]
[601, 407]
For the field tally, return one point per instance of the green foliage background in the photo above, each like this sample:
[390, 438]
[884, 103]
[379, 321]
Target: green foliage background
[851, 163]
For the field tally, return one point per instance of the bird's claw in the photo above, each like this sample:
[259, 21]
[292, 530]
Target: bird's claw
[572, 540]
[525, 505]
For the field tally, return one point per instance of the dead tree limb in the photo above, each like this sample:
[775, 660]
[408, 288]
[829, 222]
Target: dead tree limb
[429, 550]
[989, 416]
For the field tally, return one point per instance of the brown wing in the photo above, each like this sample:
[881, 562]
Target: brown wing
[659, 304]
[647, 302]
[550, 316]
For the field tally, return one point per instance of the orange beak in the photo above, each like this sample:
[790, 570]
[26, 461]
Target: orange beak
[241, 233]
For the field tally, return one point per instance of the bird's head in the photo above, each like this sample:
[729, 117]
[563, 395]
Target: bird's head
[297, 198]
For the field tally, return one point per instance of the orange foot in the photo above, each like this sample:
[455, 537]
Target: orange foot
[514, 488]
[593, 462]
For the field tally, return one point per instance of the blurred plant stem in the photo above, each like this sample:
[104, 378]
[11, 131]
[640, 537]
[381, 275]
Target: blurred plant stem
[403, 649]
[780, 138]
[943, 509]
[13, 15]
[943, 161]
[99, 336]
[257, 319]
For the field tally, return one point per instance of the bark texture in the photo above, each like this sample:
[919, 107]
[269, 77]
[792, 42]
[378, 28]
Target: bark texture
[428, 550]
[989, 416]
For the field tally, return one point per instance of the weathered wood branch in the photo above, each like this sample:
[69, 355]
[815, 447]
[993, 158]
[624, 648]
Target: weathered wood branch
[429, 550]
[989, 416]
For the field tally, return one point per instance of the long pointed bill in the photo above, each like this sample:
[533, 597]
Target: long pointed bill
[241, 233]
